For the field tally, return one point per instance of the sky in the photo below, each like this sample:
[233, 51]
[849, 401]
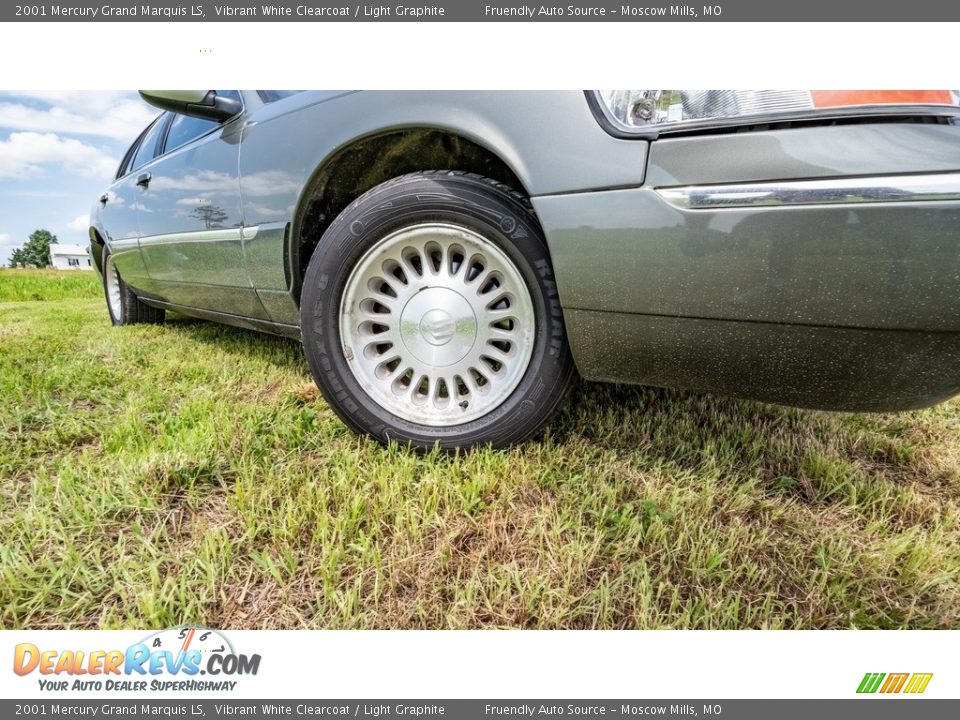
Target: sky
[58, 152]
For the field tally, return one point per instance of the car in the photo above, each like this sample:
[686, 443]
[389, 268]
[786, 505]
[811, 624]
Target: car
[452, 261]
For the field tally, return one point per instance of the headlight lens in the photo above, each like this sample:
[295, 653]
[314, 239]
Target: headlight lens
[645, 109]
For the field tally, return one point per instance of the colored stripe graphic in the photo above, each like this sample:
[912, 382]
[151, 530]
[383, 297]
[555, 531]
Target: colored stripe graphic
[870, 682]
[894, 683]
[918, 682]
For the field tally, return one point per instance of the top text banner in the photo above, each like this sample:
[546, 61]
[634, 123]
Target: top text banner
[482, 11]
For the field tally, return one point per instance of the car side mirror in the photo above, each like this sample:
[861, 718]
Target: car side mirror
[195, 103]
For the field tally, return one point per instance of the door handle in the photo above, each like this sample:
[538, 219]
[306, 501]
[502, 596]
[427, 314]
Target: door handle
[144, 179]
[104, 198]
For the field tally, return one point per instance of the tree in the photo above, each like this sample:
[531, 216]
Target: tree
[36, 251]
[16, 258]
[212, 216]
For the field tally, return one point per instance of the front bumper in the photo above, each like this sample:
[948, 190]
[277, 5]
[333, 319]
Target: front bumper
[830, 292]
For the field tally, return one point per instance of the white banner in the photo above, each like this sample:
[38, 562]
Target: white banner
[472, 664]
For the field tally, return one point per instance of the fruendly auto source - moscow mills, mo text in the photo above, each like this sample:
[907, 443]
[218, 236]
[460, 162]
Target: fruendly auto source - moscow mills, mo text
[532, 12]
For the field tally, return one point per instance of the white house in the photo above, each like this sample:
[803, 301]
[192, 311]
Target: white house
[70, 257]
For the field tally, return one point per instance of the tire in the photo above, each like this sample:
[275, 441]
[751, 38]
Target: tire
[483, 268]
[124, 307]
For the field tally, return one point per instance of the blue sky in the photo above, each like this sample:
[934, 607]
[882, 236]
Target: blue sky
[58, 152]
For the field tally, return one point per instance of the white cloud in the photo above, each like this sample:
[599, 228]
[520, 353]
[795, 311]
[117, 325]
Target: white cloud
[121, 116]
[43, 194]
[201, 181]
[80, 222]
[270, 182]
[24, 154]
[207, 183]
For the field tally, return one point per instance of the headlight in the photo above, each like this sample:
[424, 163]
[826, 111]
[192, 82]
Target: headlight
[638, 110]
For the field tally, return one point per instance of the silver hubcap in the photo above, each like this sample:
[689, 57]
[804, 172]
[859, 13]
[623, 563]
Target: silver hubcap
[437, 324]
[113, 288]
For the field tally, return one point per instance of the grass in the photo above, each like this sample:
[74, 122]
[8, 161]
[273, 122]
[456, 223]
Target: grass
[191, 473]
[19, 285]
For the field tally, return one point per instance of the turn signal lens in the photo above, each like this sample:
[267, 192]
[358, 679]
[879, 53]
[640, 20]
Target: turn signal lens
[851, 98]
[641, 109]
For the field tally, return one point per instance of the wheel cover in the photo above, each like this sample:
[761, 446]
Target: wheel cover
[437, 324]
[112, 280]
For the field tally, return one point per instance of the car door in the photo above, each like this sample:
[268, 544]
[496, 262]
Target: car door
[190, 217]
[115, 213]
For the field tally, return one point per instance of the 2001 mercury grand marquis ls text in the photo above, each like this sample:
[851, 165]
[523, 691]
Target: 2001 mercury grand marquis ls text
[450, 260]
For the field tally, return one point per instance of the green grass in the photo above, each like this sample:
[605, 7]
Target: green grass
[18, 285]
[191, 473]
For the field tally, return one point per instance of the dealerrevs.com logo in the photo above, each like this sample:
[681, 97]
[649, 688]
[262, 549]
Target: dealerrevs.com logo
[179, 659]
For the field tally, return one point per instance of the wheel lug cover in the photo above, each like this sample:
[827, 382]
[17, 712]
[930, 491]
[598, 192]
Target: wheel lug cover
[438, 326]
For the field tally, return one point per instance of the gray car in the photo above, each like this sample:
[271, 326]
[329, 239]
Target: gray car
[451, 260]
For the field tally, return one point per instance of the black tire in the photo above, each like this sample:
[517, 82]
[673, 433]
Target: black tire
[502, 217]
[129, 310]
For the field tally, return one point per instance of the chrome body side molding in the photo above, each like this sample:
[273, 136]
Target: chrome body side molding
[838, 191]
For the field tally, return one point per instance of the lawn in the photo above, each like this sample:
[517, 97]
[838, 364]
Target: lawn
[191, 473]
[16, 285]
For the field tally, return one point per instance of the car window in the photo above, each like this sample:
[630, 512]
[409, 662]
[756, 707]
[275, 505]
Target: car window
[128, 157]
[148, 146]
[183, 129]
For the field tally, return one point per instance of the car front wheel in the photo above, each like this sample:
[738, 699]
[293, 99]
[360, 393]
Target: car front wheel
[124, 306]
[430, 315]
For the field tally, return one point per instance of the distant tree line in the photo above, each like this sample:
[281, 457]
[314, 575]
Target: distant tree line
[35, 252]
